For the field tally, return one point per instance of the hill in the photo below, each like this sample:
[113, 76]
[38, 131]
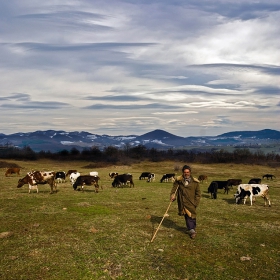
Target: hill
[53, 141]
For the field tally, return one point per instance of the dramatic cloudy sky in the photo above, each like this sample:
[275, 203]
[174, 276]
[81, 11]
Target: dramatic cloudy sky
[120, 67]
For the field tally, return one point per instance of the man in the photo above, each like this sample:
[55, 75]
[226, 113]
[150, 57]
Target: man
[188, 196]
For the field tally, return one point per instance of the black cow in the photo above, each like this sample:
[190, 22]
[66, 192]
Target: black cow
[123, 179]
[60, 176]
[144, 175]
[86, 180]
[268, 176]
[222, 185]
[213, 189]
[255, 181]
[167, 177]
[151, 177]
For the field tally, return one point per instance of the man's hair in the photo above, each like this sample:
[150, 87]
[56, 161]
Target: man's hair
[186, 167]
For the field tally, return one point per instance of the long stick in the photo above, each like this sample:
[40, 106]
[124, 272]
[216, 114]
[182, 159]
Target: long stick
[165, 214]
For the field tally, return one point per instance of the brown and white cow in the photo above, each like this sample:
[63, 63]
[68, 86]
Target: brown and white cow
[12, 170]
[251, 191]
[34, 178]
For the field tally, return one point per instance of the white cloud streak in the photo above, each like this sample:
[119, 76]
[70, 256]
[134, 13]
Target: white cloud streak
[128, 67]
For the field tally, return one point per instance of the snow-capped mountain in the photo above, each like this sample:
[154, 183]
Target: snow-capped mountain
[52, 140]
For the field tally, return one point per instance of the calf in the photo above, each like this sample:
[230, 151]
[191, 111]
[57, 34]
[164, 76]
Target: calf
[213, 189]
[123, 179]
[60, 176]
[13, 170]
[93, 173]
[255, 181]
[202, 178]
[38, 177]
[252, 190]
[86, 180]
[167, 177]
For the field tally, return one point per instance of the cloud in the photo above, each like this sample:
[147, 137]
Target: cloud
[132, 66]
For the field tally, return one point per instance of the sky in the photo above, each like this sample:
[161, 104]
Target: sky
[122, 67]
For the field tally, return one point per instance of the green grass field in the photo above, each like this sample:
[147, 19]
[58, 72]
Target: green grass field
[106, 235]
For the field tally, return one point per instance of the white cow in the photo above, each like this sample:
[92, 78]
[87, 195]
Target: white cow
[251, 191]
[74, 176]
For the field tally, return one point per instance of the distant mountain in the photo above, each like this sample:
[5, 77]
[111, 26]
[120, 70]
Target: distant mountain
[261, 134]
[54, 141]
[158, 133]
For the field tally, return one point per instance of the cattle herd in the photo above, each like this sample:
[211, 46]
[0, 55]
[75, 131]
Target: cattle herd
[252, 189]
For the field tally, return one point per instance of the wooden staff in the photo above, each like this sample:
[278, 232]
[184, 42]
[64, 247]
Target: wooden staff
[165, 215]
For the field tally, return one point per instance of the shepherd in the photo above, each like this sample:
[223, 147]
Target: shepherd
[188, 198]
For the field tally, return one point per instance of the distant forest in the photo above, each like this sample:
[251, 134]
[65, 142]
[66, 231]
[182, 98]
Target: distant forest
[129, 155]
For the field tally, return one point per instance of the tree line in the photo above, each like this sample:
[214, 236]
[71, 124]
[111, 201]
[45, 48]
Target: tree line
[130, 154]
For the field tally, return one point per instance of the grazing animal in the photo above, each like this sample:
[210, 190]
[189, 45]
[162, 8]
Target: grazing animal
[70, 171]
[60, 176]
[93, 173]
[268, 176]
[255, 181]
[123, 179]
[234, 182]
[74, 176]
[151, 177]
[144, 175]
[167, 177]
[222, 185]
[39, 177]
[213, 189]
[252, 190]
[113, 174]
[87, 180]
[202, 178]
[13, 170]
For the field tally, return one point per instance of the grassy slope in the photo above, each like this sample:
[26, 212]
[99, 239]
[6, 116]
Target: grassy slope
[85, 235]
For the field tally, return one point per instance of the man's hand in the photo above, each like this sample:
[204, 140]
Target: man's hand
[172, 197]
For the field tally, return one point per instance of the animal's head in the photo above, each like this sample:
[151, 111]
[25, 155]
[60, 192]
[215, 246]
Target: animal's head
[21, 182]
[75, 185]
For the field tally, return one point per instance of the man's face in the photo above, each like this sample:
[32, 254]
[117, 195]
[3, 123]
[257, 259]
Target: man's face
[186, 173]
